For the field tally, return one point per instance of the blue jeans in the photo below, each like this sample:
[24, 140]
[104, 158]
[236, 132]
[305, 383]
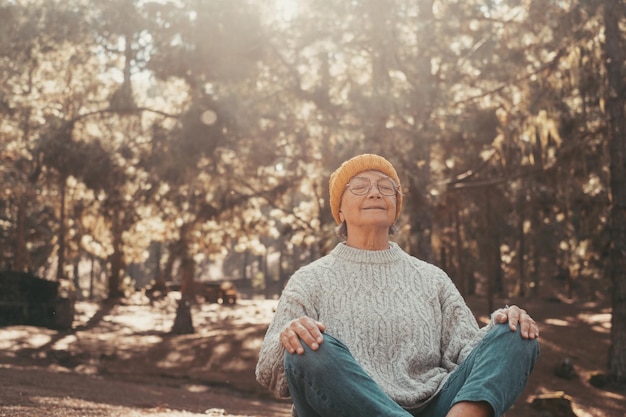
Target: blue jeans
[330, 383]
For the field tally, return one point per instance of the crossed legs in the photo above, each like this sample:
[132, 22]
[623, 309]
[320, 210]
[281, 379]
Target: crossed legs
[329, 382]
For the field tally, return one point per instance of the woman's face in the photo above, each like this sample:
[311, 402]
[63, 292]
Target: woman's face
[373, 209]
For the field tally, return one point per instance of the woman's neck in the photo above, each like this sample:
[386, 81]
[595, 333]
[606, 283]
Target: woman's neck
[373, 240]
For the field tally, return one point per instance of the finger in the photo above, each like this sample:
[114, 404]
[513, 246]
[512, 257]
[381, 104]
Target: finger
[309, 332]
[514, 314]
[501, 316]
[534, 333]
[528, 327]
[301, 330]
[524, 325]
[315, 329]
[291, 342]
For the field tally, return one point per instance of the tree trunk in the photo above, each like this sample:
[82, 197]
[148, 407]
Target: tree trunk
[460, 271]
[21, 251]
[521, 260]
[183, 322]
[91, 277]
[421, 220]
[20, 241]
[61, 237]
[117, 259]
[616, 102]
[489, 236]
[420, 207]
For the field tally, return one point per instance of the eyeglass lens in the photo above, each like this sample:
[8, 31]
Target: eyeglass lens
[362, 186]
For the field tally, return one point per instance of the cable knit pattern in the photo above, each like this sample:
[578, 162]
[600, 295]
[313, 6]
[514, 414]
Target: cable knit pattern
[402, 319]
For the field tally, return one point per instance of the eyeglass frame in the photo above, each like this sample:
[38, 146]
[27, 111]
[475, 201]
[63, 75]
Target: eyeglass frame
[396, 187]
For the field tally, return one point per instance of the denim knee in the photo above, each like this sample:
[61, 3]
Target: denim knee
[316, 362]
[513, 343]
[497, 369]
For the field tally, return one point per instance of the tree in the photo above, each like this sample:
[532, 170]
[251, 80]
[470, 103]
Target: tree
[203, 126]
[615, 108]
[35, 39]
[215, 160]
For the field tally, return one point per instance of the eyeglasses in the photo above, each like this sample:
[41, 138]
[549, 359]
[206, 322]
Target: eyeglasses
[361, 186]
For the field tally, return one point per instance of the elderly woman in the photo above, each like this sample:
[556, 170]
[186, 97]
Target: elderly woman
[369, 330]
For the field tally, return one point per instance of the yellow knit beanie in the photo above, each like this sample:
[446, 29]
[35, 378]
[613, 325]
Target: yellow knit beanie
[366, 162]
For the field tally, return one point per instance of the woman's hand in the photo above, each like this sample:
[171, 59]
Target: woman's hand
[303, 329]
[517, 316]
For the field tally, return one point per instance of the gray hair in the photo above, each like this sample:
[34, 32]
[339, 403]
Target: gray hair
[342, 230]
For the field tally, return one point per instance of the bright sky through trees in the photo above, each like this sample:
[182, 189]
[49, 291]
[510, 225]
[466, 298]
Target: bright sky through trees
[286, 9]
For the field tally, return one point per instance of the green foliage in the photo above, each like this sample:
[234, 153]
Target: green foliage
[208, 126]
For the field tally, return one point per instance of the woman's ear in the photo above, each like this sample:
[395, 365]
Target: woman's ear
[341, 216]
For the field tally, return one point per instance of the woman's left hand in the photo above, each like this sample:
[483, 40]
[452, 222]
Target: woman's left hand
[518, 317]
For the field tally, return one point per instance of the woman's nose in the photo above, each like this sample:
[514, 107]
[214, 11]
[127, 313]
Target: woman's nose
[374, 192]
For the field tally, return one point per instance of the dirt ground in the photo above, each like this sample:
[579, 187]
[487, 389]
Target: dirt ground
[121, 361]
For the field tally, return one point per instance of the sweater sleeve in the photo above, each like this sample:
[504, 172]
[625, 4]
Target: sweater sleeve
[460, 332]
[294, 303]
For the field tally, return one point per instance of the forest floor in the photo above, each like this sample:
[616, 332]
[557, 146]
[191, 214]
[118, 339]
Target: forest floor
[121, 361]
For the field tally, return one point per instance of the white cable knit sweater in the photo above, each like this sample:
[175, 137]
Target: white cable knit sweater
[402, 319]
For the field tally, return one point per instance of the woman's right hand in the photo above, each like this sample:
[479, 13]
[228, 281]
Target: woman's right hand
[304, 329]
